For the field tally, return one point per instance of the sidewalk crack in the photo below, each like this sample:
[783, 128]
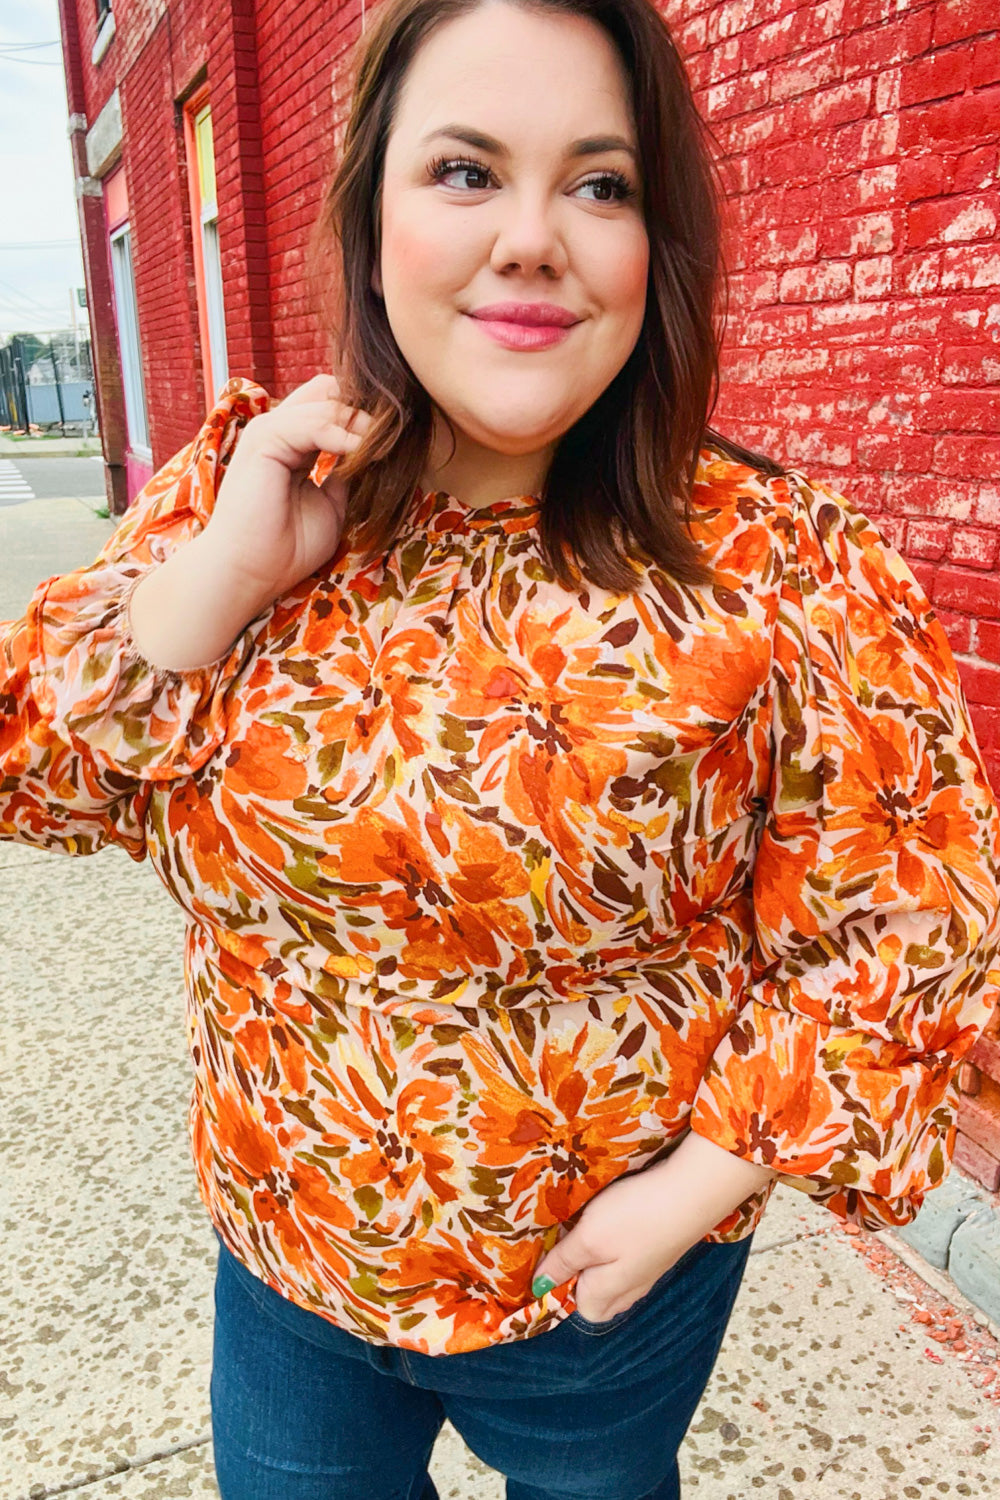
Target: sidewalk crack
[44, 1491]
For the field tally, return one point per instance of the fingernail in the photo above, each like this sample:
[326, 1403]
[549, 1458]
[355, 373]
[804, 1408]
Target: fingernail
[541, 1285]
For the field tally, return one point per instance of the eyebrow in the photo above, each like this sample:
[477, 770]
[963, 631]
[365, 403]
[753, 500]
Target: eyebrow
[589, 145]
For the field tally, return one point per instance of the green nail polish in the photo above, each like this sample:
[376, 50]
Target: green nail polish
[541, 1285]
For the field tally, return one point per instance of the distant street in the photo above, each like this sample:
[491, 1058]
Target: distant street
[50, 479]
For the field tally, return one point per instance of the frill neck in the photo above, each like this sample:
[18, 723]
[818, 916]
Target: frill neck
[437, 513]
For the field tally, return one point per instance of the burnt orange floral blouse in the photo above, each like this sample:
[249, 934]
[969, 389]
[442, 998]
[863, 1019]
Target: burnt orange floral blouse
[494, 890]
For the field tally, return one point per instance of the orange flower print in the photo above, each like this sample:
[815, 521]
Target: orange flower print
[494, 888]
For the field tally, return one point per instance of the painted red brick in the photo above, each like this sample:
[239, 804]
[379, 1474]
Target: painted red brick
[982, 682]
[985, 1055]
[975, 546]
[968, 592]
[871, 51]
[821, 283]
[985, 68]
[975, 170]
[979, 1117]
[967, 457]
[928, 539]
[949, 123]
[977, 1162]
[988, 643]
[973, 364]
[955, 20]
[952, 220]
[936, 76]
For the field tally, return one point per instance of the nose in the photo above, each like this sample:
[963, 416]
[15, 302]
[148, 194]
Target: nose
[528, 236]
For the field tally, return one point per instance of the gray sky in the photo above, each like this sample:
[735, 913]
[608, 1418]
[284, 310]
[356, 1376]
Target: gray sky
[37, 207]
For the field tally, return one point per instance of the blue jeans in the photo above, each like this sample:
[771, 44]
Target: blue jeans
[303, 1410]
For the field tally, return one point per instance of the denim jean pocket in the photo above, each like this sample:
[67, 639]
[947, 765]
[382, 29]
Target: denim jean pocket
[577, 1320]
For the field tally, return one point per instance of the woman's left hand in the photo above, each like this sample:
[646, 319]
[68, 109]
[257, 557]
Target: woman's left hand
[628, 1235]
[634, 1230]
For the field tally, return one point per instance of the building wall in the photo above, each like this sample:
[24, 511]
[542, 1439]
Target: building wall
[860, 152]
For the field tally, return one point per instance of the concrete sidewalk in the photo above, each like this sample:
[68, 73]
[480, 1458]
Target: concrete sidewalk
[827, 1387]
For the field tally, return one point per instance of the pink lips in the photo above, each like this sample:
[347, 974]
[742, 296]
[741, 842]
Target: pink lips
[525, 325]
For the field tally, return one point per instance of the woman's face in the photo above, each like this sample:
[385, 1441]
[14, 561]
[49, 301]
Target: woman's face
[512, 176]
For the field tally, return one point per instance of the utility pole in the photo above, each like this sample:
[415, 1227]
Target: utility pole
[76, 336]
[55, 372]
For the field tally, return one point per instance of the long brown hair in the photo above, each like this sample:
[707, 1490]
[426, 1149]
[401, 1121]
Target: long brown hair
[621, 477]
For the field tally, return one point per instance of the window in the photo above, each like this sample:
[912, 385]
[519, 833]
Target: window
[208, 263]
[128, 340]
[105, 31]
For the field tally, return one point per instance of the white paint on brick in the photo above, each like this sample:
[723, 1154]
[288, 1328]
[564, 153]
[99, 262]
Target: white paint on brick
[778, 251]
[779, 362]
[887, 90]
[922, 274]
[971, 268]
[873, 278]
[977, 222]
[987, 505]
[872, 233]
[879, 137]
[877, 180]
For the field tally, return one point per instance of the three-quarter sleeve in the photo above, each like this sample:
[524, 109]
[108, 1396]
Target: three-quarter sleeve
[88, 723]
[876, 960]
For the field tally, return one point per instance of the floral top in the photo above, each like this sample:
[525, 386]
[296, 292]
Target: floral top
[495, 890]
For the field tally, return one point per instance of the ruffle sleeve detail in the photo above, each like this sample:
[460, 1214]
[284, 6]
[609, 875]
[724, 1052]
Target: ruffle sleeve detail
[90, 681]
[876, 888]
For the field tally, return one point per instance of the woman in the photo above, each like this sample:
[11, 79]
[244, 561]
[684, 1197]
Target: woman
[577, 819]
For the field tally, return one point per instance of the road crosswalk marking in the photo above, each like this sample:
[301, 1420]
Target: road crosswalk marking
[13, 485]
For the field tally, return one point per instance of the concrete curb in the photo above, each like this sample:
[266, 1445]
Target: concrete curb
[938, 1281]
[954, 1245]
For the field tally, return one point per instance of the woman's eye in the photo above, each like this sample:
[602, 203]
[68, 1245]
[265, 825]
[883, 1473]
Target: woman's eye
[612, 187]
[441, 170]
[609, 187]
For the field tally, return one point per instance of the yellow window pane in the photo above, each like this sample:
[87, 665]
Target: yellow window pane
[206, 155]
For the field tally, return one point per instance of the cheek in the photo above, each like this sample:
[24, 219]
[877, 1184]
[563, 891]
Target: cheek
[627, 275]
[416, 257]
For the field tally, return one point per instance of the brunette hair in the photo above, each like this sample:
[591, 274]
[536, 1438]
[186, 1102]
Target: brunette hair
[620, 481]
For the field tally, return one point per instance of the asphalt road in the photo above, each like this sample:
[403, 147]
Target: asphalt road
[51, 479]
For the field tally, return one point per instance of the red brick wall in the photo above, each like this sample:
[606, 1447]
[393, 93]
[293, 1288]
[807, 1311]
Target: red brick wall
[861, 154]
[861, 143]
[159, 214]
[299, 120]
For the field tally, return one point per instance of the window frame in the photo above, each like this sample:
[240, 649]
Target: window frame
[129, 342]
[209, 285]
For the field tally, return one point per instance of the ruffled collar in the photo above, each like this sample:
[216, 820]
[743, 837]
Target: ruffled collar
[437, 513]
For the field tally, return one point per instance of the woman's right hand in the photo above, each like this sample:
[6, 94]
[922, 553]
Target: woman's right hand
[271, 526]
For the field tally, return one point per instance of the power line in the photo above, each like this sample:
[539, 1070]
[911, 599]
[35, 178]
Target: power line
[37, 62]
[31, 301]
[36, 244]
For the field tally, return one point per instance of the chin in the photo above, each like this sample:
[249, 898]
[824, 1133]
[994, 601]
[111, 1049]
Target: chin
[515, 433]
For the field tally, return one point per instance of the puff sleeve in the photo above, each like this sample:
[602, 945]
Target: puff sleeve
[88, 725]
[876, 960]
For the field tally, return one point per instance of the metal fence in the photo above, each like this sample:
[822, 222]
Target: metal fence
[47, 385]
